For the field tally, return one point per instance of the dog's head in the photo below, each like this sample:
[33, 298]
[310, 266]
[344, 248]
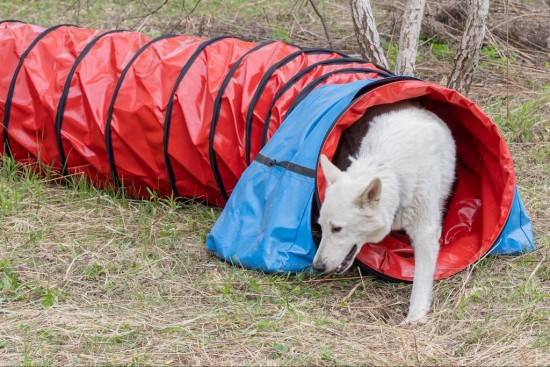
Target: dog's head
[350, 217]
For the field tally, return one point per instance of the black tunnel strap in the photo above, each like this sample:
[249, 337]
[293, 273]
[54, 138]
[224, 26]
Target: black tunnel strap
[386, 70]
[170, 107]
[380, 82]
[11, 90]
[315, 83]
[216, 115]
[303, 73]
[63, 100]
[289, 166]
[263, 83]
[12, 21]
[108, 133]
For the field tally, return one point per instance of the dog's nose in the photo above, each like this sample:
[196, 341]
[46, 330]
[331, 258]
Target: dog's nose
[319, 266]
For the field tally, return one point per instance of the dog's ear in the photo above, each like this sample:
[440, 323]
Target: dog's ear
[330, 171]
[371, 195]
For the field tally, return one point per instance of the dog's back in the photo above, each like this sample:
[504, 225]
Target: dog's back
[418, 146]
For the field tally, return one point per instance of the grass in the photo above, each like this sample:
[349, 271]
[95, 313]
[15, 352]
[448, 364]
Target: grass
[523, 121]
[91, 278]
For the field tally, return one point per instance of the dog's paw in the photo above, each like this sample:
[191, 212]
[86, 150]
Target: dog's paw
[412, 322]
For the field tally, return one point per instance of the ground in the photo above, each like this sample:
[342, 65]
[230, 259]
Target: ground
[89, 278]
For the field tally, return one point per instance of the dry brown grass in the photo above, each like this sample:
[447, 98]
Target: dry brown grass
[98, 280]
[87, 278]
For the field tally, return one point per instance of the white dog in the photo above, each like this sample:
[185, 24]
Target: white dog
[399, 179]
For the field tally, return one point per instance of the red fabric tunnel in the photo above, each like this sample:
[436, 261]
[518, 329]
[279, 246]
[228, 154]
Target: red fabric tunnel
[185, 116]
[177, 115]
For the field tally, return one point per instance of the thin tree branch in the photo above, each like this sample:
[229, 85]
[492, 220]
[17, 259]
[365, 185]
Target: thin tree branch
[142, 17]
[186, 17]
[192, 10]
[314, 6]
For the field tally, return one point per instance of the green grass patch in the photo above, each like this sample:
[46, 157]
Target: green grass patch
[523, 122]
[442, 50]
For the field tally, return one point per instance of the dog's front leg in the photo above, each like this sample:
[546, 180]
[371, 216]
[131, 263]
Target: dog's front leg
[425, 239]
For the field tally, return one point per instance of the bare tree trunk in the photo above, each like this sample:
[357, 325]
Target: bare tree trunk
[467, 56]
[366, 32]
[408, 38]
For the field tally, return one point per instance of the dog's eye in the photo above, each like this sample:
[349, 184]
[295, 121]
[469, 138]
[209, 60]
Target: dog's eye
[334, 229]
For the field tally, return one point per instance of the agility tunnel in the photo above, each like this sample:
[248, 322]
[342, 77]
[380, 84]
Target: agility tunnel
[240, 125]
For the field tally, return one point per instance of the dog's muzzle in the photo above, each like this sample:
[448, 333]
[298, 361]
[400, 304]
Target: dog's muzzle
[348, 260]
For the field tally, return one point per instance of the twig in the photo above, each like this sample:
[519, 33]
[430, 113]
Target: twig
[314, 6]
[513, 19]
[192, 10]
[534, 271]
[142, 17]
[416, 347]
[77, 12]
[348, 296]
[70, 267]
[266, 17]
[186, 17]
